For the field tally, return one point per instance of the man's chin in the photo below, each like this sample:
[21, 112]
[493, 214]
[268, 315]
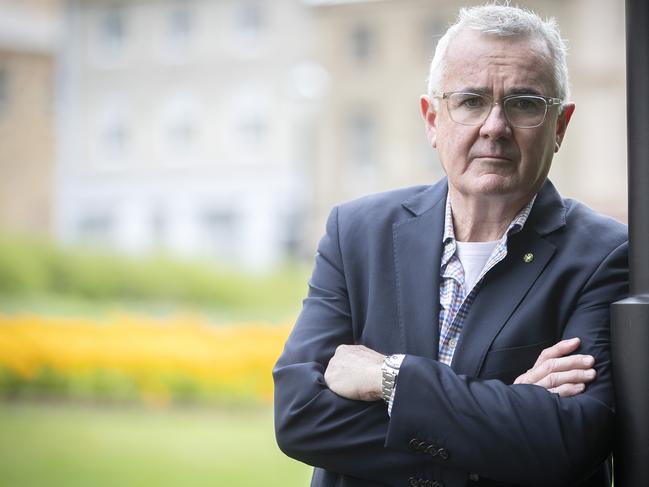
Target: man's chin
[493, 184]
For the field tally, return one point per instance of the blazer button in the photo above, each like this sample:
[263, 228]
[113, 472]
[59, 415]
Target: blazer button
[443, 453]
[412, 482]
[414, 444]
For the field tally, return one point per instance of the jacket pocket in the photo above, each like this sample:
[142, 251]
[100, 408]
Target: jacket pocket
[506, 364]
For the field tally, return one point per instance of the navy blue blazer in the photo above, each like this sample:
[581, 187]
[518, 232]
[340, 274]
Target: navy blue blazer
[376, 283]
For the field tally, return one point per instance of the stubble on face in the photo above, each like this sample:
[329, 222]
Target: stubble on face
[495, 158]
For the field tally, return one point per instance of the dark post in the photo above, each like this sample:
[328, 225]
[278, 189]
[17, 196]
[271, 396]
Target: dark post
[630, 317]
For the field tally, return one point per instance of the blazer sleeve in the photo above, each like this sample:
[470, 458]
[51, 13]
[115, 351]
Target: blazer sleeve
[520, 434]
[313, 424]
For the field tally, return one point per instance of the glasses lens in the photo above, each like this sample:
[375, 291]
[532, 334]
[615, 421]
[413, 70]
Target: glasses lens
[525, 111]
[468, 108]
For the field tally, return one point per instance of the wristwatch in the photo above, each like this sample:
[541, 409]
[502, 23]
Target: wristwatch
[390, 371]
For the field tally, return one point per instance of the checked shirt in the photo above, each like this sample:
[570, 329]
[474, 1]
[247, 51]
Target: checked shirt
[454, 299]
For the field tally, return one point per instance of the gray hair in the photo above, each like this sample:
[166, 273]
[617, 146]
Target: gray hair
[504, 21]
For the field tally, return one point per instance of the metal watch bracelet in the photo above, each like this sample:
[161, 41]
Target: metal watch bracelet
[390, 371]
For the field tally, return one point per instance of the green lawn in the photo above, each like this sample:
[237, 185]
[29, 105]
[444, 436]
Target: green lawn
[75, 307]
[59, 445]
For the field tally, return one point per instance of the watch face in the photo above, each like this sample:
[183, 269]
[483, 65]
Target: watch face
[393, 361]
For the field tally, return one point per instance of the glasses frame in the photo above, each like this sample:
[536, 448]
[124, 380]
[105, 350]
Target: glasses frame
[549, 102]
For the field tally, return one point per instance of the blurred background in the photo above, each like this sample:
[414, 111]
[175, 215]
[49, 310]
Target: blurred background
[166, 167]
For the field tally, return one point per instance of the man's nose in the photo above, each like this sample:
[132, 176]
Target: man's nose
[496, 125]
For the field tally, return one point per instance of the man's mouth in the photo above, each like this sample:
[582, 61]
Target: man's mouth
[492, 156]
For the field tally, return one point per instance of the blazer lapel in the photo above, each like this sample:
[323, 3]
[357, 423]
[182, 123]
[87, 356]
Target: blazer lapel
[417, 253]
[503, 288]
[509, 281]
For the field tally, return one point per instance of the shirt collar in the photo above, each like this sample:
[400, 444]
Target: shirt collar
[448, 239]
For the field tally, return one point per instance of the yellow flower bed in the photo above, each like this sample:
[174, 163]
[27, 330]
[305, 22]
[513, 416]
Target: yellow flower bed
[157, 360]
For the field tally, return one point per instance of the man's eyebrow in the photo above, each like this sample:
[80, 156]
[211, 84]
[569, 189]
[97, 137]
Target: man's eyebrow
[477, 90]
[524, 91]
[481, 90]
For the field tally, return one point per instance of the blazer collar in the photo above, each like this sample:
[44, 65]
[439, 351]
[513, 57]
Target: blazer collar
[417, 244]
[427, 199]
[548, 213]
[417, 253]
[505, 287]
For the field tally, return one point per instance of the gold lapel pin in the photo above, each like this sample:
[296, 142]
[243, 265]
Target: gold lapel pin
[529, 257]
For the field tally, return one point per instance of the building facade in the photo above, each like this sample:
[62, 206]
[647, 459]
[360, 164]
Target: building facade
[229, 129]
[377, 54]
[28, 37]
[183, 126]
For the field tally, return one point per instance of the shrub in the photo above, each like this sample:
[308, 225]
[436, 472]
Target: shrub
[29, 267]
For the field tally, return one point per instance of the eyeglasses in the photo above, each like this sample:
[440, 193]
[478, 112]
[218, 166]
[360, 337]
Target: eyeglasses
[522, 111]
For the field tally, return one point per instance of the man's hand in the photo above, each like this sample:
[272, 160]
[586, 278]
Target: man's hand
[354, 372]
[559, 372]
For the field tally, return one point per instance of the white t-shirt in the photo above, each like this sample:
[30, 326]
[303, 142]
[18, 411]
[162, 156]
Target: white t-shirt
[473, 256]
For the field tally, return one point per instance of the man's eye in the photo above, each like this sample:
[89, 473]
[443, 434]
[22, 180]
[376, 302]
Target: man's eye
[472, 102]
[525, 104]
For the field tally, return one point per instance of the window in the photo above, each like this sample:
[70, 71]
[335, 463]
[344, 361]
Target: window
[363, 139]
[433, 28]
[220, 232]
[112, 130]
[112, 28]
[179, 119]
[179, 25]
[249, 19]
[4, 89]
[252, 132]
[363, 44]
[429, 163]
[95, 229]
[293, 238]
[114, 140]
[159, 227]
[181, 137]
[248, 118]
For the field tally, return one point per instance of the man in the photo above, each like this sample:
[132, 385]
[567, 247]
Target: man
[458, 334]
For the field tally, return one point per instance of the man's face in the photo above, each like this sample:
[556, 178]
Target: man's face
[495, 158]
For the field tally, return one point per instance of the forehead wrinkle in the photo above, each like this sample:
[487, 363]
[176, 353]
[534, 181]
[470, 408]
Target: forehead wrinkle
[482, 90]
[517, 72]
[517, 59]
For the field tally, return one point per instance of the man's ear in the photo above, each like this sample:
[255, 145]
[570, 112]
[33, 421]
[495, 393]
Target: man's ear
[429, 113]
[562, 124]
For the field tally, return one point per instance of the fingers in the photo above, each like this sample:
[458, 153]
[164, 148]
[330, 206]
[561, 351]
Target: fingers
[559, 349]
[559, 372]
[568, 390]
[354, 372]
[570, 377]
[551, 366]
